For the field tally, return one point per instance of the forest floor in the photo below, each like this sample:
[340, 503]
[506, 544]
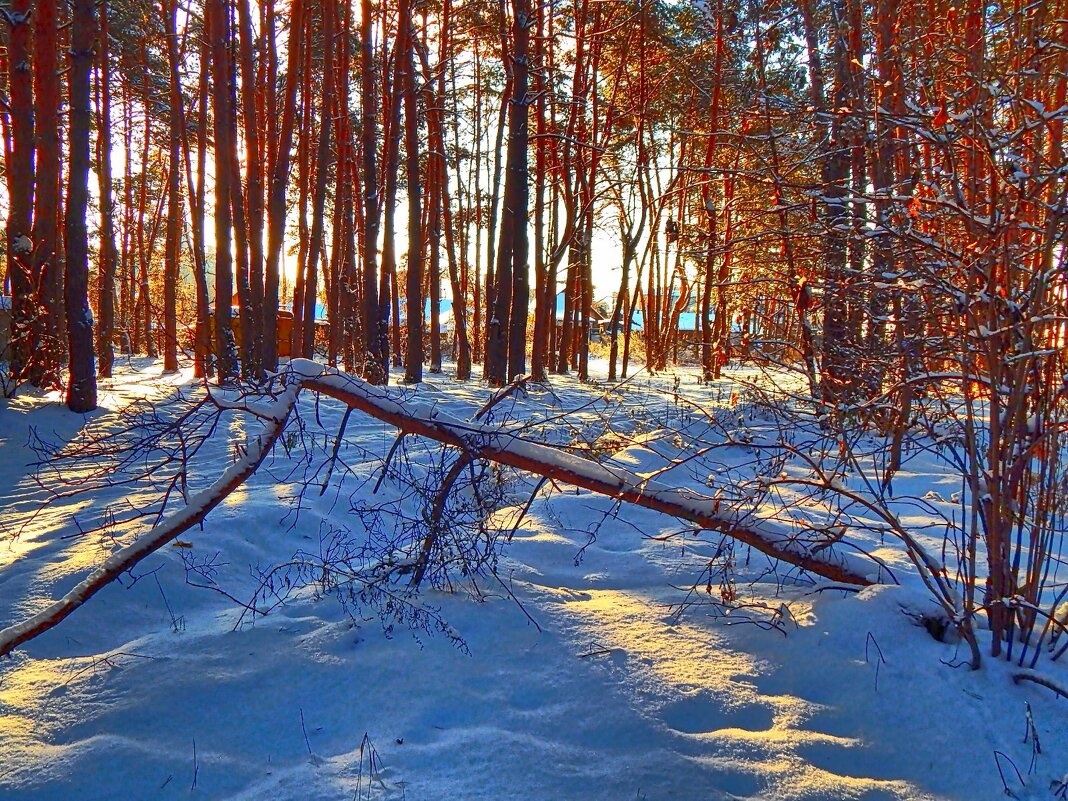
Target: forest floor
[628, 687]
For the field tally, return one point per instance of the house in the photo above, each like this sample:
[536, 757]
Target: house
[600, 317]
[283, 341]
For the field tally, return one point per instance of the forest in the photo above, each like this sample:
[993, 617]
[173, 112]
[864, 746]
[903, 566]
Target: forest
[783, 282]
[857, 190]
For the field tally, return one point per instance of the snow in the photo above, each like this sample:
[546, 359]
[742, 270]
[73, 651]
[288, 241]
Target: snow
[628, 688]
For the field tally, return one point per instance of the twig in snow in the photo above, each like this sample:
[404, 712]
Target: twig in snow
[337, 447]
[596, 652]
[1060, 787]
[196, 766]
[870, 640]
[998, 756]
[1031, 733]
[307, 742]
[368, 753]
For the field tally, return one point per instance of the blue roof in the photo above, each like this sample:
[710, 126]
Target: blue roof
[687, 321]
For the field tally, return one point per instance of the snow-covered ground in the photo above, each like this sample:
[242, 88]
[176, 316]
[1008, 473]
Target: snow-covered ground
[603, 684]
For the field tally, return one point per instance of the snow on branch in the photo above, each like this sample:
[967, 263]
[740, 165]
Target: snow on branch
[491, 442]
[192, 513]
[499, 444]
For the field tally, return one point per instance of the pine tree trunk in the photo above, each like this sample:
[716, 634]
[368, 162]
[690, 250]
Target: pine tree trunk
[316, 247]
[145, 234]
[20, 184]
[436, 170]
[254, 201]
[838, 374]
[81, 391]
[413, 363]
[279, 180]
[711, 350]
[516, 193]
[491, 232]
[544, 295]
[175, 215]
[127, 292]
[202, 349]
[375, 337]
[219, 36]
[108, 260]
[47, 268]
[388, 299]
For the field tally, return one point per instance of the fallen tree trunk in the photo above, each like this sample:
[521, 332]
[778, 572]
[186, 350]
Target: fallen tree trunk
[498, 444]
[478, 441]
[174, 525]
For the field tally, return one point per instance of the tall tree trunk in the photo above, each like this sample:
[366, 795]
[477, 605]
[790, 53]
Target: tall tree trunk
[711, 350]
[218, 32]
[516, 191]
[108, 259]
[435, 179]
[413, 363]
[171, 271]
[459, 266]
[276, 200]
[127, 291]
[47, 269]
[375, 337]
[316, 247]
[720, 335]
[345, 295]
[476, 297]
[20, 183]
[544, 295]
[457, 276]
[251, 343]
[388, 299]
[499, 268]
[492, 258]
[81, 391]
[838, 374]
[202, 349]
[146, 242]
[254, 203]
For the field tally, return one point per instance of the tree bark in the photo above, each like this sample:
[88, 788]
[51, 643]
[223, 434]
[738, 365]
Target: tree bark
[108, 259]
[276, 200]
[171, 272]
[20, 185]
[413, 363]
[253, 198]
[375, 338]
[316, 247]
[47, 267]
[388, 299]
[516, 191]
[81, 390]
[219, 35]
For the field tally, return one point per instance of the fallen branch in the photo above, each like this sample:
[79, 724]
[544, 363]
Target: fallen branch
[499, 444]
[1041, 680]
[477, 441]
[173, 526]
